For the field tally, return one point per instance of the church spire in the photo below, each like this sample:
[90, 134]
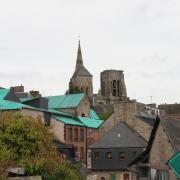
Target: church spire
[79, 60]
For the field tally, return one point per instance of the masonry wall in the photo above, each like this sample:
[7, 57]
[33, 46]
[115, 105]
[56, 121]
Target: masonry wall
[57, 128]
[126, 111]
[33, 113]
[84, 107]
[161, 152]
[83, 82]
[78, 143]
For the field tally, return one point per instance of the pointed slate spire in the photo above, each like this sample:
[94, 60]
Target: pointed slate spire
[79, 60]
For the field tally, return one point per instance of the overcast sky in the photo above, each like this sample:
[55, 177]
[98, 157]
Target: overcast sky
[39, 38]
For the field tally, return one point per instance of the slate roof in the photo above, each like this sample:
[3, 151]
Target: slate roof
[82, 71]
[120, 136]
[172, 128]
[65, 101]
[147, 118]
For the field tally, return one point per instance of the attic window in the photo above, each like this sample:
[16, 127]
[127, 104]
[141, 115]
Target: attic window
[96, 155]
[121, 155]
[109, 155]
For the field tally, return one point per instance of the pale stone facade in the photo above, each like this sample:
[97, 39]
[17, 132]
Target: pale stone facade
[57, 128]
[161, 152]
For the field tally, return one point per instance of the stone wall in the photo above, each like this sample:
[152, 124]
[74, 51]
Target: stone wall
[33, 113]
[57, 128]
[84, 107]
[126, 111]
[84, 83]
[161, 152]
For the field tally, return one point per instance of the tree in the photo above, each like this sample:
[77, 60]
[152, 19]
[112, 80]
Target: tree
[26, 142]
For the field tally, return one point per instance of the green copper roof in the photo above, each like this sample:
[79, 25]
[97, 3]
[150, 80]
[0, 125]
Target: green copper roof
[65, 101]
[174, 163]
[68, 120]
[59, 112]
[93, 114]
[5, 104]
[89, 122]
[3, 93]
[9, 105]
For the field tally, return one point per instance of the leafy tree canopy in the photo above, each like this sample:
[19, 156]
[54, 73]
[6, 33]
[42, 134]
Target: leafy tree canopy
[26, 142]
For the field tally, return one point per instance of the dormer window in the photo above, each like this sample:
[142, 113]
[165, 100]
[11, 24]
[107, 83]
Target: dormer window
[121, 156]
[109, 155]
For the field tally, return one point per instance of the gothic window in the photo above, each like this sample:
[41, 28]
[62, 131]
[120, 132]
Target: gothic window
[118, 90]
[114, 88]
[103, 88]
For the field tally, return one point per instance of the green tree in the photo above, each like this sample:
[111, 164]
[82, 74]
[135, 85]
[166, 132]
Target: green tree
[26, 142]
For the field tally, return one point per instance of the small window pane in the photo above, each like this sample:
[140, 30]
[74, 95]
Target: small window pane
[96, 155]
[109, 155]
[121, 155]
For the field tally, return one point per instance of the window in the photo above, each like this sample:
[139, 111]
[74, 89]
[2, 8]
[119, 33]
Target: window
[118, 91]
[114, 88]
[82, 153]
[96, 155]
[103, 178]
[70, 134]
[109, 155]
[121, 155]
[162, 175]
[81, 134]
[112, 177]
[76, 134]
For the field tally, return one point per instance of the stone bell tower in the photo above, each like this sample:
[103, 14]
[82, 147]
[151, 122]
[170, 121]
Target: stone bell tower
[81, 80]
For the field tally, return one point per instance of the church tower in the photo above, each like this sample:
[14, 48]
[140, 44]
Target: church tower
[81, 80]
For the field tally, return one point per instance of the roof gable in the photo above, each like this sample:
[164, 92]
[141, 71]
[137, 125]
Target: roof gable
[120, 136]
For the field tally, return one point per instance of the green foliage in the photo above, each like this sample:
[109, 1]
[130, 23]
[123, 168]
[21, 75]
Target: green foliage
[105, 115]
[66, 171]
[26, 142]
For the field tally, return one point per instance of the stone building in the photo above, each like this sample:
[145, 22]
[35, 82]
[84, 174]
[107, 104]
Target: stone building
[113, 87]
[81, 80]
[134, 115]
[110, 157]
